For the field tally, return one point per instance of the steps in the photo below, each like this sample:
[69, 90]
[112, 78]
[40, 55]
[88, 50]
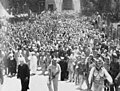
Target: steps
[67, 5]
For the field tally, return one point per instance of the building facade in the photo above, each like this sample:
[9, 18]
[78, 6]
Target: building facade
[40, 5]
[60, 5]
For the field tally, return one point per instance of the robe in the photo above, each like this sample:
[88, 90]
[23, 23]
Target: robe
[33, 64]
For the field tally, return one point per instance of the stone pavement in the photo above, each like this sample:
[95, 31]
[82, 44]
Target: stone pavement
[37, 83]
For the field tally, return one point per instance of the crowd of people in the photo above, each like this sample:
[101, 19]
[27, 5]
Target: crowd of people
[70, 47]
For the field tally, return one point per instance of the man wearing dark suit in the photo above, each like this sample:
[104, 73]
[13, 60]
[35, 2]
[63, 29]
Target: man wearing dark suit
[63, 65]
[114, 71]
[24, 75]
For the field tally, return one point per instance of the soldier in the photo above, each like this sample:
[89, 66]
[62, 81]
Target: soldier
[81, 71]
[71, 66]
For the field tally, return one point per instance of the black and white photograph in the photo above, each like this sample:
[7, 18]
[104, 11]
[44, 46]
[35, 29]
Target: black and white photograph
[59, 45]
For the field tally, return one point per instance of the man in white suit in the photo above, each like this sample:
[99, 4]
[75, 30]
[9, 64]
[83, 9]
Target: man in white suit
[33, 63]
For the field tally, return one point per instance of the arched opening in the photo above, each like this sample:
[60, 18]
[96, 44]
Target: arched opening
[67, 5]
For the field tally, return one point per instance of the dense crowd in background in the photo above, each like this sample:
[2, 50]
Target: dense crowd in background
[75, 41]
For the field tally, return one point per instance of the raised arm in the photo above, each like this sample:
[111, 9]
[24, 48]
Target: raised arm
[108, 77]
[91, 75]
[117, 76]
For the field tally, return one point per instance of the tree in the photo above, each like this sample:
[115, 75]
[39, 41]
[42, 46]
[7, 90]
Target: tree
[101, 5]
[117, 9]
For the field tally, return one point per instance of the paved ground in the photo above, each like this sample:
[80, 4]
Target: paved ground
[37, 83]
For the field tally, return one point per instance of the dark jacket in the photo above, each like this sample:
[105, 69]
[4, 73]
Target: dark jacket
[114, 69]
[81, 68]
[23, 71]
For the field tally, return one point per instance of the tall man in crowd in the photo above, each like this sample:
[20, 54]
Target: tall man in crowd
[33, 63]
[24, 75]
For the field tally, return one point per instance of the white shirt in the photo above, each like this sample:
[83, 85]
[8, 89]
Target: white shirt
[104, 73]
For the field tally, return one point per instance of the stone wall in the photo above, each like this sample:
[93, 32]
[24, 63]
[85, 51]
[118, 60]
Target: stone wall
[67, 5]
[50, 2]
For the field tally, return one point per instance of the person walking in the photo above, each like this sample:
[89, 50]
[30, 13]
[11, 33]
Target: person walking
[23, 75]
[11, 65]
[54, 73]
[97, 76]
[33, 63]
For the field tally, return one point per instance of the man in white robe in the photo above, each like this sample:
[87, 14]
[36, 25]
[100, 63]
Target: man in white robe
[33, 63]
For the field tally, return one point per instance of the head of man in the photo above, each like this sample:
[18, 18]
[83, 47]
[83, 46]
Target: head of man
[99, 63]
[21, 62]
[114, 57]
[11, 56]
[54, 61]
[91, 56]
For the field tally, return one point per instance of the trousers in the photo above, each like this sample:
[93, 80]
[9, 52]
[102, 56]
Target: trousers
[24, 84]
[53, 82]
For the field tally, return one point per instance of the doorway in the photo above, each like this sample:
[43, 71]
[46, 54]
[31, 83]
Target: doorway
[67, 5]
[50, 7]
[41, 6]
